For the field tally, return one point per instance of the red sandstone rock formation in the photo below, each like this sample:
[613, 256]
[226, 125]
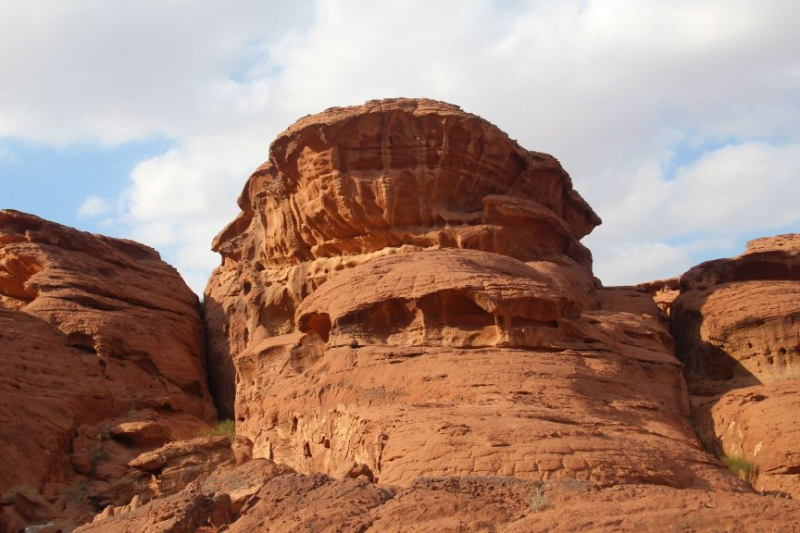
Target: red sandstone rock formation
[347, 185]
[260, 496]
[737, 320]
[761, 425]
[664, 292]
[100, 356]
[409, 333]
[404, 294]
[737, 327]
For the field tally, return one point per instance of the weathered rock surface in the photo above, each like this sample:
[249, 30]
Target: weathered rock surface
[426, 382]
[214, 497]
[101, 356]
[275, 500]
[761, 425]
[409, 334]
[664, 292]
[404, 294]
[350, 184]
[634, 508]
[737, 327]
[737, 320]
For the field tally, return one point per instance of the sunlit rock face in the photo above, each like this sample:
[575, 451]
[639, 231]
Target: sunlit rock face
[737, 327]
[739, 319]
[405, 294]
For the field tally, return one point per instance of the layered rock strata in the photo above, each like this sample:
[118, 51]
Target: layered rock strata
[737, 327]
[101, 356]
[404, 294]
[737, 320]
[347, 185]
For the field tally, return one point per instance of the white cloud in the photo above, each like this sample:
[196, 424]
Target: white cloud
[751, 186]
[93, 206]
[91, 70]
[618, 265]
[613, 88]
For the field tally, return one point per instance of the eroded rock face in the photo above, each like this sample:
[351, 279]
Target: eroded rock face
[100, 352]
[737, 328]
[664, 292]
[347, 185]
[759, 424]
[274, 500]
[635, 508]
[404, 294]
[737, 320]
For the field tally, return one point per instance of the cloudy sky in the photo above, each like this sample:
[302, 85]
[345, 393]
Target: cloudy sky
[678, 121]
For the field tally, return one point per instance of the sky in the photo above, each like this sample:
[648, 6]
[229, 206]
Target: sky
[678, 121]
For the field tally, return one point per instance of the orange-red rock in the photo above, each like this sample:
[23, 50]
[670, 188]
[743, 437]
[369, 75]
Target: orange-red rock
[404, 294]
[100, 349]
[636, 508]
[738, 320]
[350, 184]
[663, 291]
[737, 327]
[282, 502]
[761, 425]
[411, 337]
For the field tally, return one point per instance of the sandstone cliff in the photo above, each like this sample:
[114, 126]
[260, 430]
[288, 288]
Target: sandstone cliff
[404, 293]
[100, 356]
[737, 327]
[348, 185]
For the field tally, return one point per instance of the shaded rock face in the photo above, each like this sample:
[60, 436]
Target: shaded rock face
[737, 327]
[404, 294]
[92, 330]
[663, 291]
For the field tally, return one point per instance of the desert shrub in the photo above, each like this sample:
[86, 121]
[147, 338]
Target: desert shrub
[741, 467]
[538, 500]
[97, 455]
[76, 492]
[225, 428]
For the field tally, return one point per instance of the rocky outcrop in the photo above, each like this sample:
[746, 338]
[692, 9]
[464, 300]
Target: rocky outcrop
[737, 327]
[410, 337]
[414, 378]
[737, 320]
[404, 295]
[258, 496]
[635, 508]
[350, 184]
[101, 357]
[758, 428]
[663, 291]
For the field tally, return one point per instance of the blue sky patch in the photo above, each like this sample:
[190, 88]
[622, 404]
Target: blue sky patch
[53, 182]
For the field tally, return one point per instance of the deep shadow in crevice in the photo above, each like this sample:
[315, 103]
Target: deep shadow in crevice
[217, 357]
